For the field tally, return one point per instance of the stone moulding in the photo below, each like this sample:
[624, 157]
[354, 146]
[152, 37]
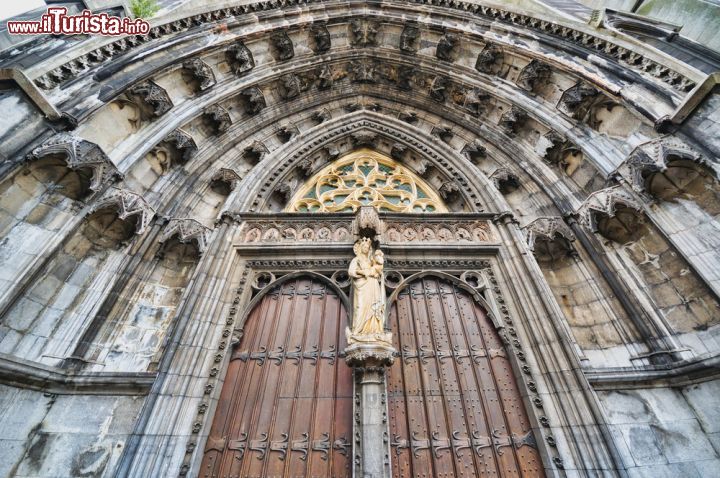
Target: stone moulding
[653, 156]
[548, 228]
[80, 154]
[605, 201]
[187, 230]
[605, 46]
[127, 204]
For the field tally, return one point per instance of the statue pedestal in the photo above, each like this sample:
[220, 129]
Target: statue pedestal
[372, 445]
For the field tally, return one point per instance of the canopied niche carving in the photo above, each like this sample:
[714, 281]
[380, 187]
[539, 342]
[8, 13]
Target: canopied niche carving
[666, 168]
[549, 238]
[92, 167]
[613, 213]
[366, 178]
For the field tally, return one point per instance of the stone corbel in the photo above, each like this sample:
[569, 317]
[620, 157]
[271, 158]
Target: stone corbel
[153, 95]
[548, 228]
[254, 100]
[80, 154]
[127, 204]
[201, 71]
[533, 75]
[228, 176]
[183, 142]
[220, 116]
[283, 46]
[368, 223]
[489, 58]
[240, 58]
[512, 119]
[474, 151]
[187, 230]
[409, 39]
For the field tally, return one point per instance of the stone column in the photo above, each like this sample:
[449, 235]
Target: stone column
[371, 447]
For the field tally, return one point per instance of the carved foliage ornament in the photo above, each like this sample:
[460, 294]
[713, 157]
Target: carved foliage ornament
[366, 178]
[364, 32]
[454, 231]
[292, 231]
[79, 154]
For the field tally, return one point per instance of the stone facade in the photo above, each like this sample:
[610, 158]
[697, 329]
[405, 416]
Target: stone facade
[145, 183]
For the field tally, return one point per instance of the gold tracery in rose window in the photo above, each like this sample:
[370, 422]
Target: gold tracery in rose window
[366, 178]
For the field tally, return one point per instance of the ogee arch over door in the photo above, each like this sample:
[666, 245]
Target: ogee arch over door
[286, 405]
[455, 409]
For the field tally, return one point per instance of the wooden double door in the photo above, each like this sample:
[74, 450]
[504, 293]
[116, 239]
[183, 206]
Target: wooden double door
[286, 405]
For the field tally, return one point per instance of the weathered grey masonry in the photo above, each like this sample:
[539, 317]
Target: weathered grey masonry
[145, 180]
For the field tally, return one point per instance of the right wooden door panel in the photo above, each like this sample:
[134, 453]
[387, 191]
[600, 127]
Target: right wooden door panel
[455, 409]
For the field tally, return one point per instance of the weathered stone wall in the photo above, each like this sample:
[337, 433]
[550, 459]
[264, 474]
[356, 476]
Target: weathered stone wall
[665, 432]
[63, 435]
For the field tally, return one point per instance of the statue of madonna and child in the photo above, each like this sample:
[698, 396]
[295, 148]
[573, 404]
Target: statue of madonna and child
[368, 319]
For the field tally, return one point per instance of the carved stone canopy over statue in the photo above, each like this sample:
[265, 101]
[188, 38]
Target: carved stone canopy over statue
[368, 319]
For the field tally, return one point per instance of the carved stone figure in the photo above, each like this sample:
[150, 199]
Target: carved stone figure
[366, 272]
[364, 32]
[254, 100]
[489, 58]
[445, 47]
[321, 35]
[241, 59]
[283, 46]
[408, 39]
[153, 95]
[201, 71]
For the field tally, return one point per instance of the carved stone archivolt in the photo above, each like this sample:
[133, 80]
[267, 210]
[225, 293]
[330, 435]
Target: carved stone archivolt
[127, 204]
[187, 230]
[80, 154]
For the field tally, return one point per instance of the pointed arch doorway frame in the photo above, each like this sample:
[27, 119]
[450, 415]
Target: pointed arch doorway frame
[462, 249]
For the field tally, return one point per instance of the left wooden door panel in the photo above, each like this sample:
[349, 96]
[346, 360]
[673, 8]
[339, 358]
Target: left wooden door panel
[286, 405]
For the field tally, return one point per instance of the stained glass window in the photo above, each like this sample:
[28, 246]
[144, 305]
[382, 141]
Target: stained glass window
[366, 178]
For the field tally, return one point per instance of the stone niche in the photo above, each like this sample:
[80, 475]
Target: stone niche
[130, 336]
[45, 319]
